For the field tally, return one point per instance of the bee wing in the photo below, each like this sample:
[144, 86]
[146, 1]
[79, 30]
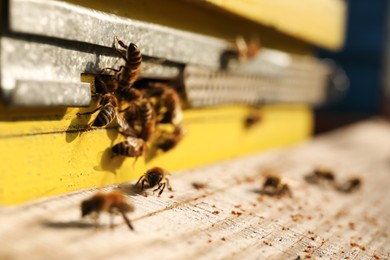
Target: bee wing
[135, 142]
[124, 125]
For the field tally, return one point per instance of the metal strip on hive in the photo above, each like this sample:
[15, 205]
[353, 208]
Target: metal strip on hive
[24, 64]
[66, 21]
[301, 80]
[54, 42]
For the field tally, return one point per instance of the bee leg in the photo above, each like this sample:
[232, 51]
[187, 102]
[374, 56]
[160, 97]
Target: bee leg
[158, 187]
[122, 53]
[168, 184]
[161, 187]
[124, 46]
[143, 183]
[127, 220]
[139, 180]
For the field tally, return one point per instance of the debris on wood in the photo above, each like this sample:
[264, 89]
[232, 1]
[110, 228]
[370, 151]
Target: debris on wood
[199, 185]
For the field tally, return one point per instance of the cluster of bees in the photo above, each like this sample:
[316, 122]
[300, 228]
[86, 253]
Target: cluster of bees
[139, 110]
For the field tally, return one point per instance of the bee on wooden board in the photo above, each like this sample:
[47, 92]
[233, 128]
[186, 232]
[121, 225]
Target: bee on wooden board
[273, 186]
[155, 177]
[349, 185]
[321, 175]
[113, 202]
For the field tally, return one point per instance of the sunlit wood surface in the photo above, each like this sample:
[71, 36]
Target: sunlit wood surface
[228, 218]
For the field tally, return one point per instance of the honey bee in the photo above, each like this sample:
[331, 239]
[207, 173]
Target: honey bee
[155, 177]
[147, 118]
[171, 101]
[252, 119]
[168, 141]
[108, 111]
[168, 103]
[350, 185]
[131, 147]
[127, 74]
[113, 202]
[320, 175]
[273, 186]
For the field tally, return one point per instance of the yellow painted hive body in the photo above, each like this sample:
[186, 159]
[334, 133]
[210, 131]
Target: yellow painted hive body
[49, 152]
[47, 157]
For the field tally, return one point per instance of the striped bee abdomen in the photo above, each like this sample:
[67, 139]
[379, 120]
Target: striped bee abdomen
[105, 116]
[134, 57]
[128, 149]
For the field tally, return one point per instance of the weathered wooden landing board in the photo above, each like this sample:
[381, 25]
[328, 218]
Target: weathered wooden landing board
[229, 219]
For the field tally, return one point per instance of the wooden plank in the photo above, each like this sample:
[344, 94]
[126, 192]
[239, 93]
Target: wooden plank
[229, 219]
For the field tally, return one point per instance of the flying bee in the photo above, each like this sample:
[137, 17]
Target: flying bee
[131, 147]
[108, 111]
[273, 186]
[155, 177]
[113, 202]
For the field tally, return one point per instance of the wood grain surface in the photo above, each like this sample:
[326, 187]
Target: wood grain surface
[227, 217]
